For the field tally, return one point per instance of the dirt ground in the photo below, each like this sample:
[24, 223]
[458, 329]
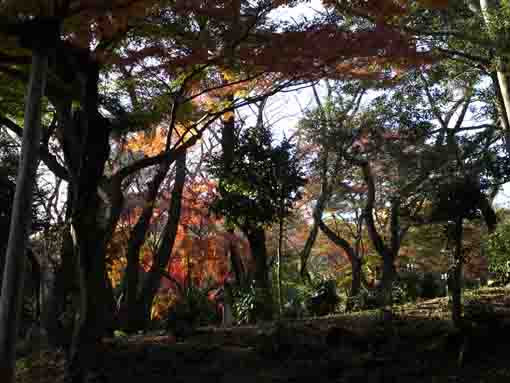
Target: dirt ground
[418, 345]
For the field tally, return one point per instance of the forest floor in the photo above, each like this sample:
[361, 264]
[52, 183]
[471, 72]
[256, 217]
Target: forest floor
[420, 345]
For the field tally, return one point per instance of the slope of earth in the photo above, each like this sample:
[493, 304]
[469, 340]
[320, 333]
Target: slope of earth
[418, 345]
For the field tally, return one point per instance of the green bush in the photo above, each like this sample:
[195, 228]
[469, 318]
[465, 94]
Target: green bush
[498, 253]
[369, 299]
[295, 293]
[245, 304]
[194, 308]
[324, 300]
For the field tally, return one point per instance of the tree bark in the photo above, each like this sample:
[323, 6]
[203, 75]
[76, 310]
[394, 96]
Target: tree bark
[152, 280]
[235, 259]
[135, 243]
[307, 251]
[12, 282]
[279, 267]
[87, 150]
[456, 277]
[387, 254]
[353, 256]
[312, 236]
[65, 285]
[257, 240]
[502, 81]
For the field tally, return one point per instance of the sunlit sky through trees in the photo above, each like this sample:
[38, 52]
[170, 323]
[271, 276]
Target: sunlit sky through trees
[285, 109]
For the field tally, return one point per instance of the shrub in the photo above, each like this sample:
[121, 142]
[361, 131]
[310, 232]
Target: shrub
[245, 303]
[430, 286]
[410, 282]
[324, 300]
[498, 253]
[369, 299]
[194, 309]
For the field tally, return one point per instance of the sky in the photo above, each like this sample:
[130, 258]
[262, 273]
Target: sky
[284, 110]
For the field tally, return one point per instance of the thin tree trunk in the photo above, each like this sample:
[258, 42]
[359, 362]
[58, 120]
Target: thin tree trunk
[312, 236]
[12, 282]
[386, 253]
[504, 93]
[307, 251]
[136, 240]
[353, 256]
[457, 275]
[355, 281]
[502, 82]
[152, 280]
[279, 267]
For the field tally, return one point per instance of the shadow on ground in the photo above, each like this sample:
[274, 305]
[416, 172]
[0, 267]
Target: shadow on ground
[419, 345]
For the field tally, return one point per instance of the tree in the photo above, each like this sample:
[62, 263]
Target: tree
[473, 33]
[259, 188]
[498, 252]
[329, 128]
[44, 34]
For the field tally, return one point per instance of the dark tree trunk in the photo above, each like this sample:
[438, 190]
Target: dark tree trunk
[279, 267]
[355, 281]
[152, 280]
[236, 261]
[12, 281]
[137, 235]
[388, 277]
[387, 253]
[89, 136]
[354, 258]
[317, 217]
[456, 277]
[257, 240]
[307, 250]
[65, 288]
[136, 241]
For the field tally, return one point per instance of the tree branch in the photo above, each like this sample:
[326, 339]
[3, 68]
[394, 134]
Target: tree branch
[49, 159]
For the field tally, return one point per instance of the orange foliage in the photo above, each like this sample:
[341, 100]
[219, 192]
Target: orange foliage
[150, 145]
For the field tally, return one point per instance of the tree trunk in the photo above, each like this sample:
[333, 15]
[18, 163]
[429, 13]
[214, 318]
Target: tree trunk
[87, 149]
[388, 276]
[387, 253]
[279, 267]
[355, 281]
[312, 236]
[257, 239]
[12, 282]
[456, 277]
[354, 258]
[136, 241]
[65, 286]
[503, 84]
[152, 280]
[307, 251]
[236, 262]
